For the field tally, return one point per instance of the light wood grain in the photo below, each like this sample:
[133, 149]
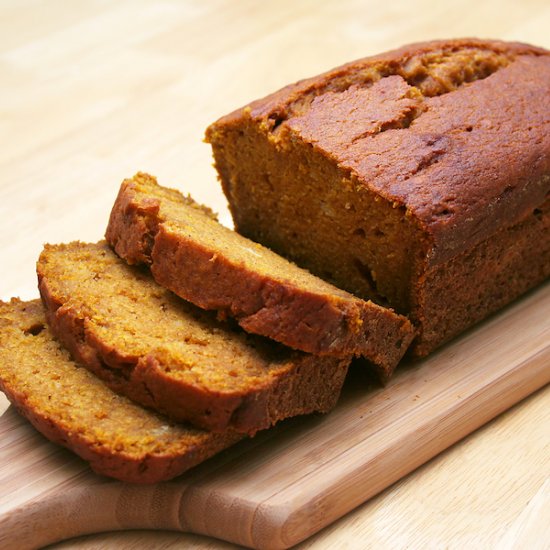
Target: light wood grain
[441, 510]
[288, 483]
[532, 527]
[93, 91]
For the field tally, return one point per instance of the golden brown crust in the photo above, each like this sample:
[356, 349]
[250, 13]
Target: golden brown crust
[276, 104]
[72, 408]
[215, 268]
[170, 356]
[515, 260]
[458, 141]
[444, 143]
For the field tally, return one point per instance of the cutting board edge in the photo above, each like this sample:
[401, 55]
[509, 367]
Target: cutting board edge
[277, 526]
[272, 525]
[283, 526]
[83, 510]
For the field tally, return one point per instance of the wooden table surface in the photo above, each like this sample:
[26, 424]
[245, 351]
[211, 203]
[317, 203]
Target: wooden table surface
[93, 91]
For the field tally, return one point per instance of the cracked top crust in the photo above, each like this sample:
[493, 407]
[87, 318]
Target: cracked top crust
[457, 132]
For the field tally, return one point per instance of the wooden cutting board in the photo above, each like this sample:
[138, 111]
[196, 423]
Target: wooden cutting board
[289, 482]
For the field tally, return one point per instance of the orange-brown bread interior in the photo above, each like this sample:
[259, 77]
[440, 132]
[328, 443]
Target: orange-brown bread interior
[168, 355]
[71, 407]
[417, 178]
[213, 267]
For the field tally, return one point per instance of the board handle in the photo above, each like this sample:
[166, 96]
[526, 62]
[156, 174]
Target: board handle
[50, 495]
[108, 506]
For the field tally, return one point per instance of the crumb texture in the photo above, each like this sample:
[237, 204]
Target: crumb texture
[167, 354]
[386, 173]
[72, 407]
[216, 268]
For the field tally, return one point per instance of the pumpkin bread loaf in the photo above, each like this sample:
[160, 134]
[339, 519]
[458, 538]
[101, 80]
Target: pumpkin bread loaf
[166, 354]
[190, 253]
[71, 407]
[417, 178]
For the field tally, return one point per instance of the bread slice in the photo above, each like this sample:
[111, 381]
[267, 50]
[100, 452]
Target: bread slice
[166, 354]
[206, 263]
[70, 406]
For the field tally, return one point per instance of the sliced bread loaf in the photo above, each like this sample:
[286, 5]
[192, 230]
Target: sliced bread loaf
[70, 406]
[206, 263]
[166, 354]
[420, 176]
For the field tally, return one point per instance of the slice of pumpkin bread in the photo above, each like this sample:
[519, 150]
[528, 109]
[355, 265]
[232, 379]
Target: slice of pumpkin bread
[168, 355]
[72, 407]
[215, 268]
